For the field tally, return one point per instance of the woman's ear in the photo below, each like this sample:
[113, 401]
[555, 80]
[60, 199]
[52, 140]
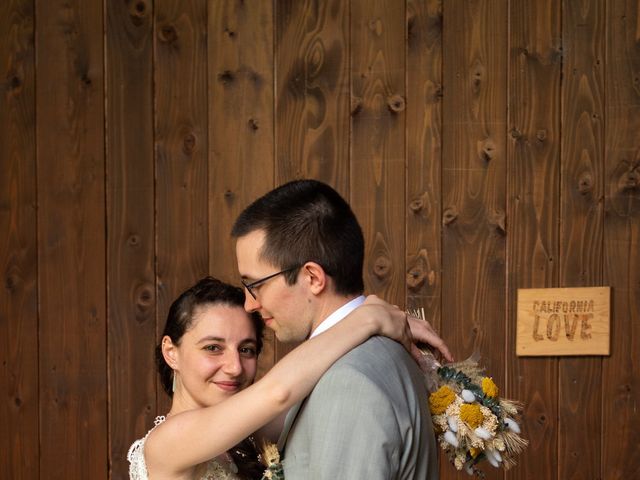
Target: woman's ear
[315, 276]
[169, 352]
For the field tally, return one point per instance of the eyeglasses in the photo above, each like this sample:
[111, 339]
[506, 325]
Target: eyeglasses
[257, 283]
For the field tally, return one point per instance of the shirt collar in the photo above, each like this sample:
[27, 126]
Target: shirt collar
[338, 315]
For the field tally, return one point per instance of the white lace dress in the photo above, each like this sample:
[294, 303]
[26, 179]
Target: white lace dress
[213, 470]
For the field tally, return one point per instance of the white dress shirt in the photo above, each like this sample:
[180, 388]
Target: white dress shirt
[338, 315]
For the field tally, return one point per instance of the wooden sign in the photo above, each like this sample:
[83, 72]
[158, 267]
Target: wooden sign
[563, 321]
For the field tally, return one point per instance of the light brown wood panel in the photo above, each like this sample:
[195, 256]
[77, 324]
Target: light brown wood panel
[312, 95]
[581, 228]
[378, 118]
[534, 208]
[241, 128]
[71, 240]
[424, 157]
[181, 148]
[130, 227]
[473, 183]
[19, 442]
[312, 108]
[621, 371]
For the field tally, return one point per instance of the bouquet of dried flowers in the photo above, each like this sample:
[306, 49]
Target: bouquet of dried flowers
[472, 422]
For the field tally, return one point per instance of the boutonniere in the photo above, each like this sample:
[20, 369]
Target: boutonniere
[270, 458]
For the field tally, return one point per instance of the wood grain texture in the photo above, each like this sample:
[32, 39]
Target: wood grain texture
[71, 240]
[533, 188]
[181, 147]
[19, 409]
[312, 105]
[424, 157]
[581, 228]
[130, 226]
[241, 128]
[621, 371]
[378, 118]
[312, 95]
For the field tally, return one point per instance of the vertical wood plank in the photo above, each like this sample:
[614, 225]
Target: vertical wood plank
[378, 119]
[19, 442]
[534, 208]
[71, 243]
[130, 227]
[424, 156]
[312, 95]
[473, 182]
[241, 130]
[581, 228]
[181, 148]
[312, 109]
[621, 371]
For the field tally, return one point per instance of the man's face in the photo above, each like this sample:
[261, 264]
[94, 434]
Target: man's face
[283, 307]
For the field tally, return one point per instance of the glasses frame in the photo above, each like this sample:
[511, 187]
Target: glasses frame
[257, 283]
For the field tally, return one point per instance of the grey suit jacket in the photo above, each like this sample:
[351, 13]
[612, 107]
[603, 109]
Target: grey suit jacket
[367, 418]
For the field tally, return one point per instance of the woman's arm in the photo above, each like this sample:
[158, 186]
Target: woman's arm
[195, 436]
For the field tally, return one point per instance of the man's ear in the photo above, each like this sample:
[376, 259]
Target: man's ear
[169, 352]
[316, 277]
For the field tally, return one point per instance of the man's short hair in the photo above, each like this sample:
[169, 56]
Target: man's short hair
[307, 220]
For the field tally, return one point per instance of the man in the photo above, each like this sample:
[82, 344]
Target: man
[300, 253]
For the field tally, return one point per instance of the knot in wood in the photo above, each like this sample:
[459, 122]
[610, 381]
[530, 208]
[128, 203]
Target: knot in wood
[10, 282]
[631, 180]
[356, 105]
[585, 183]
[396, 103]
[488, 150]
[228, 195]
[416, 278]
[541, 135]
[253, 124]
[498, 220]
[168, 34]
[515, 133]
[189, 143]
[144, 300]
[133, 240]
[416, 205]
[449, 215]
[381, 267]
[138, 12]
[226, 77]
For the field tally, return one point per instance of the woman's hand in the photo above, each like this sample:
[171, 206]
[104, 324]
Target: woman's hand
[389, 321]
[393, 323]
[423, 332]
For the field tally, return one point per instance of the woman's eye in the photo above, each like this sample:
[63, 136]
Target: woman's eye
[248, 351]
[213, 348]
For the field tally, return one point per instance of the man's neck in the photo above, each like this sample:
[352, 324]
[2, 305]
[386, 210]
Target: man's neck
[330, 305]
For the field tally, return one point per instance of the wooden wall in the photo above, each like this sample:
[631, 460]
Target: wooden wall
[485, 145]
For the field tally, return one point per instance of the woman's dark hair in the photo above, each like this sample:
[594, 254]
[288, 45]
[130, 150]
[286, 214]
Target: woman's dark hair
[210, 291]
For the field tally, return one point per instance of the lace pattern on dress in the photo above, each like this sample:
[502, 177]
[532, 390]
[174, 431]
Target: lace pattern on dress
[138, 469]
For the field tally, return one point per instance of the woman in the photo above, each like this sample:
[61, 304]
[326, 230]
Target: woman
[208, 354]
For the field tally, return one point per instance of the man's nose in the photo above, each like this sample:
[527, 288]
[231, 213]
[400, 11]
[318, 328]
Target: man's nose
[250, 303]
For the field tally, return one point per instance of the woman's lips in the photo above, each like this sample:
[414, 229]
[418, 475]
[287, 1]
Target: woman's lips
[228, 386]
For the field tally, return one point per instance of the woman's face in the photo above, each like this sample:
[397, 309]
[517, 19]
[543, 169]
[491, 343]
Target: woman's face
[217, 356]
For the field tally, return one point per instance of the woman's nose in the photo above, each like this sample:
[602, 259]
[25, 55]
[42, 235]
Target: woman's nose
[232, 364]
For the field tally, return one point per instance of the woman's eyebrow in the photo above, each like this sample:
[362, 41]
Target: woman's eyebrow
[211, 338]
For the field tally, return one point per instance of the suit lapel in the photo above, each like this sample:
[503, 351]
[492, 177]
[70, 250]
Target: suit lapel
[288, 423]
